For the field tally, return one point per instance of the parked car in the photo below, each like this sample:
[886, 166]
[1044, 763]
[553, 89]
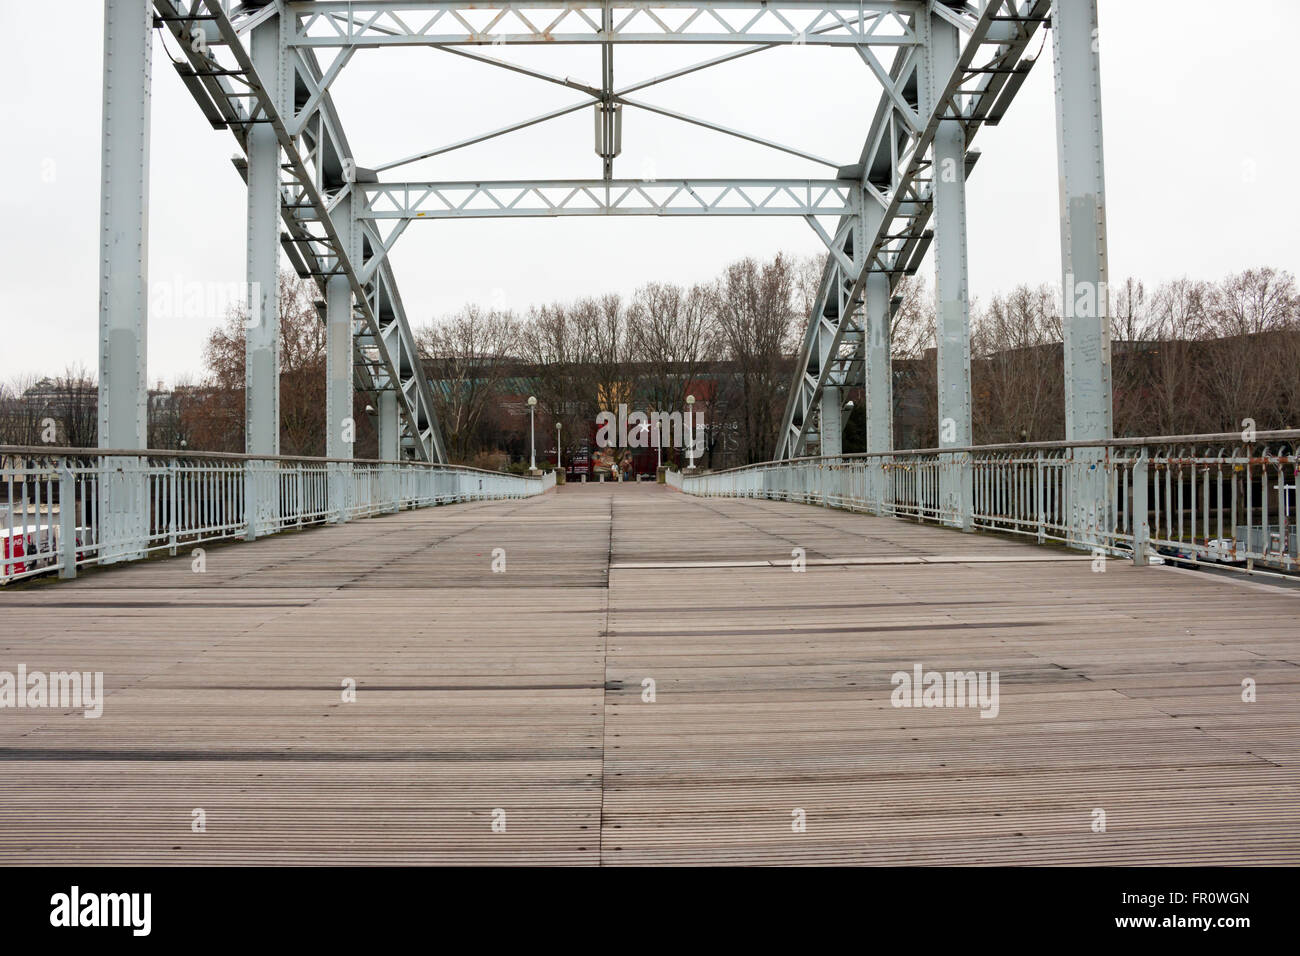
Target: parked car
[1127, 549]
[1178, 552]
[1224, 551]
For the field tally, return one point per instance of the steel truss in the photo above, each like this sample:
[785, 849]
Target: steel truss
[955, 66]
[316, 171]
[897, 161]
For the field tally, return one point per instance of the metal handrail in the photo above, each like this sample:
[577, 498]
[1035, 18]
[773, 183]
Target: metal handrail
[1289, 434]
[1190, 499]
[64, 508]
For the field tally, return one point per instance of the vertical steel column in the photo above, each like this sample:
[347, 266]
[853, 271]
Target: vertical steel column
[832, 425]
[262, 337]
[952, 336]
[879, 364]
[124, 271]
[262, 342]
[1086, 316]
[340, 428]
[1086, 326]
[389, 426]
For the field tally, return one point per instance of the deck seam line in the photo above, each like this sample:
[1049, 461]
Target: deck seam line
[604, 687]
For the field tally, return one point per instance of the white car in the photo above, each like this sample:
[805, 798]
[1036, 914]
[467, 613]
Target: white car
[1223, 551]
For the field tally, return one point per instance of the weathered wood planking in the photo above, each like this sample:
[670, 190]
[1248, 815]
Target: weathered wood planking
[522, 691]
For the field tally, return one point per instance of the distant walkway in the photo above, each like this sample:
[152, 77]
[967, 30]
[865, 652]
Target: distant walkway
[522, 692]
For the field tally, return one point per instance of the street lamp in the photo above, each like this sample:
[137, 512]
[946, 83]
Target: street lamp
[532, 435]
[557, 447]
[690, 431]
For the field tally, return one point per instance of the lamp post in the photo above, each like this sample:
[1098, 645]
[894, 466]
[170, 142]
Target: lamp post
[558, 455]
[690, 431]
[532, 435]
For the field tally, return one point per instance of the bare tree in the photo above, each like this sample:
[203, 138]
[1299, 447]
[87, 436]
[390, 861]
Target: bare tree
[1016, 372]
[78, 400]
[1174, 385]
[24, 412]
[559, 349]
[911, 345]
[1131, 325]
[669, 331]
[1246, 372]
[603, 323]
[217, 424]
[754, 325]
[469, 355]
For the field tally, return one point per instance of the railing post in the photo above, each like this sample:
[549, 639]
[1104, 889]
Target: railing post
[338, 491]
[171, 507]
[966, 475]
[1141, 527]
[251, 500]
[67, 522]
[1040, 498]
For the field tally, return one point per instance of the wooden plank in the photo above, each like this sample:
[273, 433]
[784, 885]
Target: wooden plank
[522, 691]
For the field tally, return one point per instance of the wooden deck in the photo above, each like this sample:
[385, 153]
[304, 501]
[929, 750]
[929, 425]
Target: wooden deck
[522, 691]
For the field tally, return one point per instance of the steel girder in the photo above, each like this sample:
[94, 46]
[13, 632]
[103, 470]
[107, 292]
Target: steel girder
[352, 23]
[317, 171]
[896, 172]
[616, 197]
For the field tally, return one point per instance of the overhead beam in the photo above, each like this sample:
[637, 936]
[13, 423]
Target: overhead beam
[598, 197]
[336, 23]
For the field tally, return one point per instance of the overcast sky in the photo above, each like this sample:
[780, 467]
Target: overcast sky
[1200, 130]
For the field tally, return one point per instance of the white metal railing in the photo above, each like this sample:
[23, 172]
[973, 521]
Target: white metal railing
[1196, 499]
[61, 508]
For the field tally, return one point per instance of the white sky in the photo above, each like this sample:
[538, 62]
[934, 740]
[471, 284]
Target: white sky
[1201, 141]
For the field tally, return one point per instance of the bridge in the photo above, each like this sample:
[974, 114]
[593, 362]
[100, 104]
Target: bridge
[1080, 651]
